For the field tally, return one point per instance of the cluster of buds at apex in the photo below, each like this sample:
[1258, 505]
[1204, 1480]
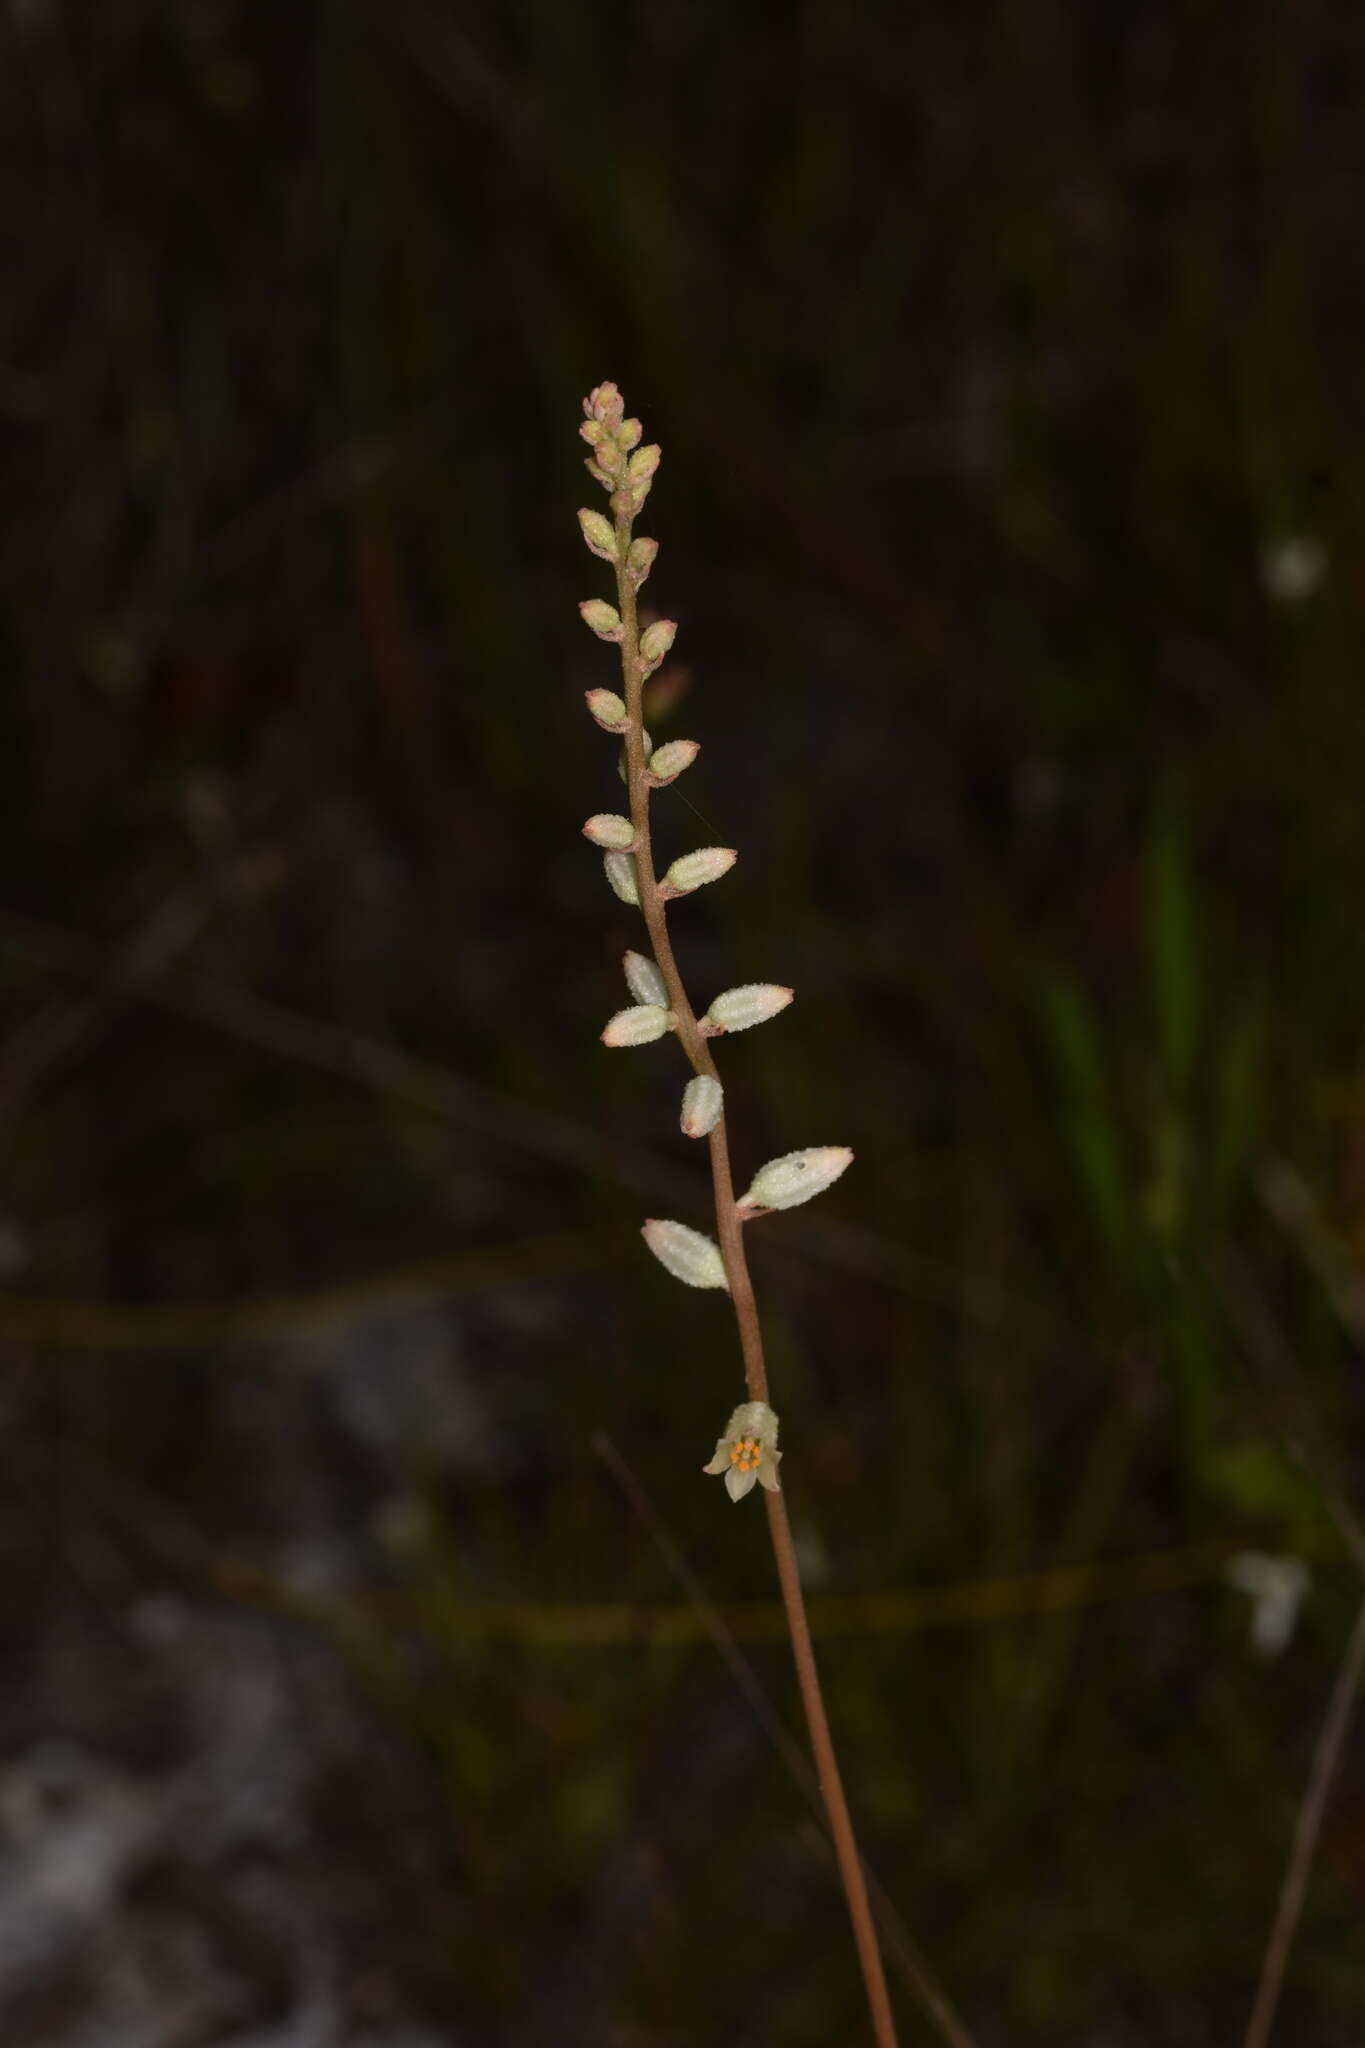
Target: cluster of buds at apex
[640, 1025]
[693, 870]
[599, 533]
[668, 764]
[640, 559]
[612, 438]
[655, 642]
[602, 409]
[702, 1103]
[739, 1008]
[614, 833]
[608, 709]
[685, 1253]
[644, 980]
[620, 873]
[602, 618]
[747, 1454]
[784, 1183]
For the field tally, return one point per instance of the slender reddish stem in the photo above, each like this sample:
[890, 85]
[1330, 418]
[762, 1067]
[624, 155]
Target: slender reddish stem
[730, 1234]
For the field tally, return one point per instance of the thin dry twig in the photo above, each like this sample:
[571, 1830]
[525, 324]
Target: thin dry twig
[1336, 1726]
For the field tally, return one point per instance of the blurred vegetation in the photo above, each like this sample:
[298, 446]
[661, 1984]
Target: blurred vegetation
[1022, 631]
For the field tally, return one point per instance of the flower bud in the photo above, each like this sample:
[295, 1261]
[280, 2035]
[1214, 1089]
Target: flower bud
[668, 764]
[599, 533]
[794, 1178]
[620, 870]
[640, 559]
[643, 463]
[656, 640]
[607, 708]
[644, 980]
[692, 870]
[689, 1256]
[640, 1025]
[604, 402]
[628, 434]
[603, 618]
[702, 1103]
[592, 432]
[738, 1008]
[604, 828]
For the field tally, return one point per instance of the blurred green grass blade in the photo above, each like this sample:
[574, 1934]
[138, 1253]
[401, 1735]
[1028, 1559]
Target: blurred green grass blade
[1172, 934]
[1087, 1106]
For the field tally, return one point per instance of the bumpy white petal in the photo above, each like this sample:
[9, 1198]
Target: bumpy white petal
[668, 763]
[644, 980]
[606, 828]
[640, 1025]
[702, 1104]
[795, 1177]
[620, 872]
[688, 1256]
[693, 870]
[607, 708]
[739, 1008]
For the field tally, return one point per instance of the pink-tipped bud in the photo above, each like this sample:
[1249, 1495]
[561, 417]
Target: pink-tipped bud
[607, 708]
[628, 434]
[612, 833]
[604, 402]
[693, 870]
[644, 462]
[640, 559]
[794, 1178]
[702, 1103]
[687, 1255]
[640, 1025]
[739, 1008]
[599, 533]
[656, 640]
[668, 764]
[602, 618]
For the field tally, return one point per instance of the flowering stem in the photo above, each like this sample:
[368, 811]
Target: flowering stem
[730, 1235]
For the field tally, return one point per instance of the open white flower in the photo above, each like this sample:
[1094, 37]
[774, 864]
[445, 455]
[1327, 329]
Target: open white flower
[747, 1454]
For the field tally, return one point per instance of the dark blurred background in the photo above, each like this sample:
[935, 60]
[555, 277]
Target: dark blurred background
[378, 1669]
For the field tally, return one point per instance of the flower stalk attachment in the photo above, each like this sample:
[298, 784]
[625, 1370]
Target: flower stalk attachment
[747, 1454]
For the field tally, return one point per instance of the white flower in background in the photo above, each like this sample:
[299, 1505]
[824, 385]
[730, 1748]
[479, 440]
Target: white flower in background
[747, 1454]
[1293, 566]
[1276, 1587]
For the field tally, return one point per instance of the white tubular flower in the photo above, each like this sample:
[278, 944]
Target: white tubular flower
[605, 828]
[668, 764]
[702, 1103]
[739, 1008]
[620, 872]
[747, 1454]
[607, 708]
[640, 1025]
[644, 980]
[693, 870]
[794, 1178]
[1276, 1587]
[687, 1255]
